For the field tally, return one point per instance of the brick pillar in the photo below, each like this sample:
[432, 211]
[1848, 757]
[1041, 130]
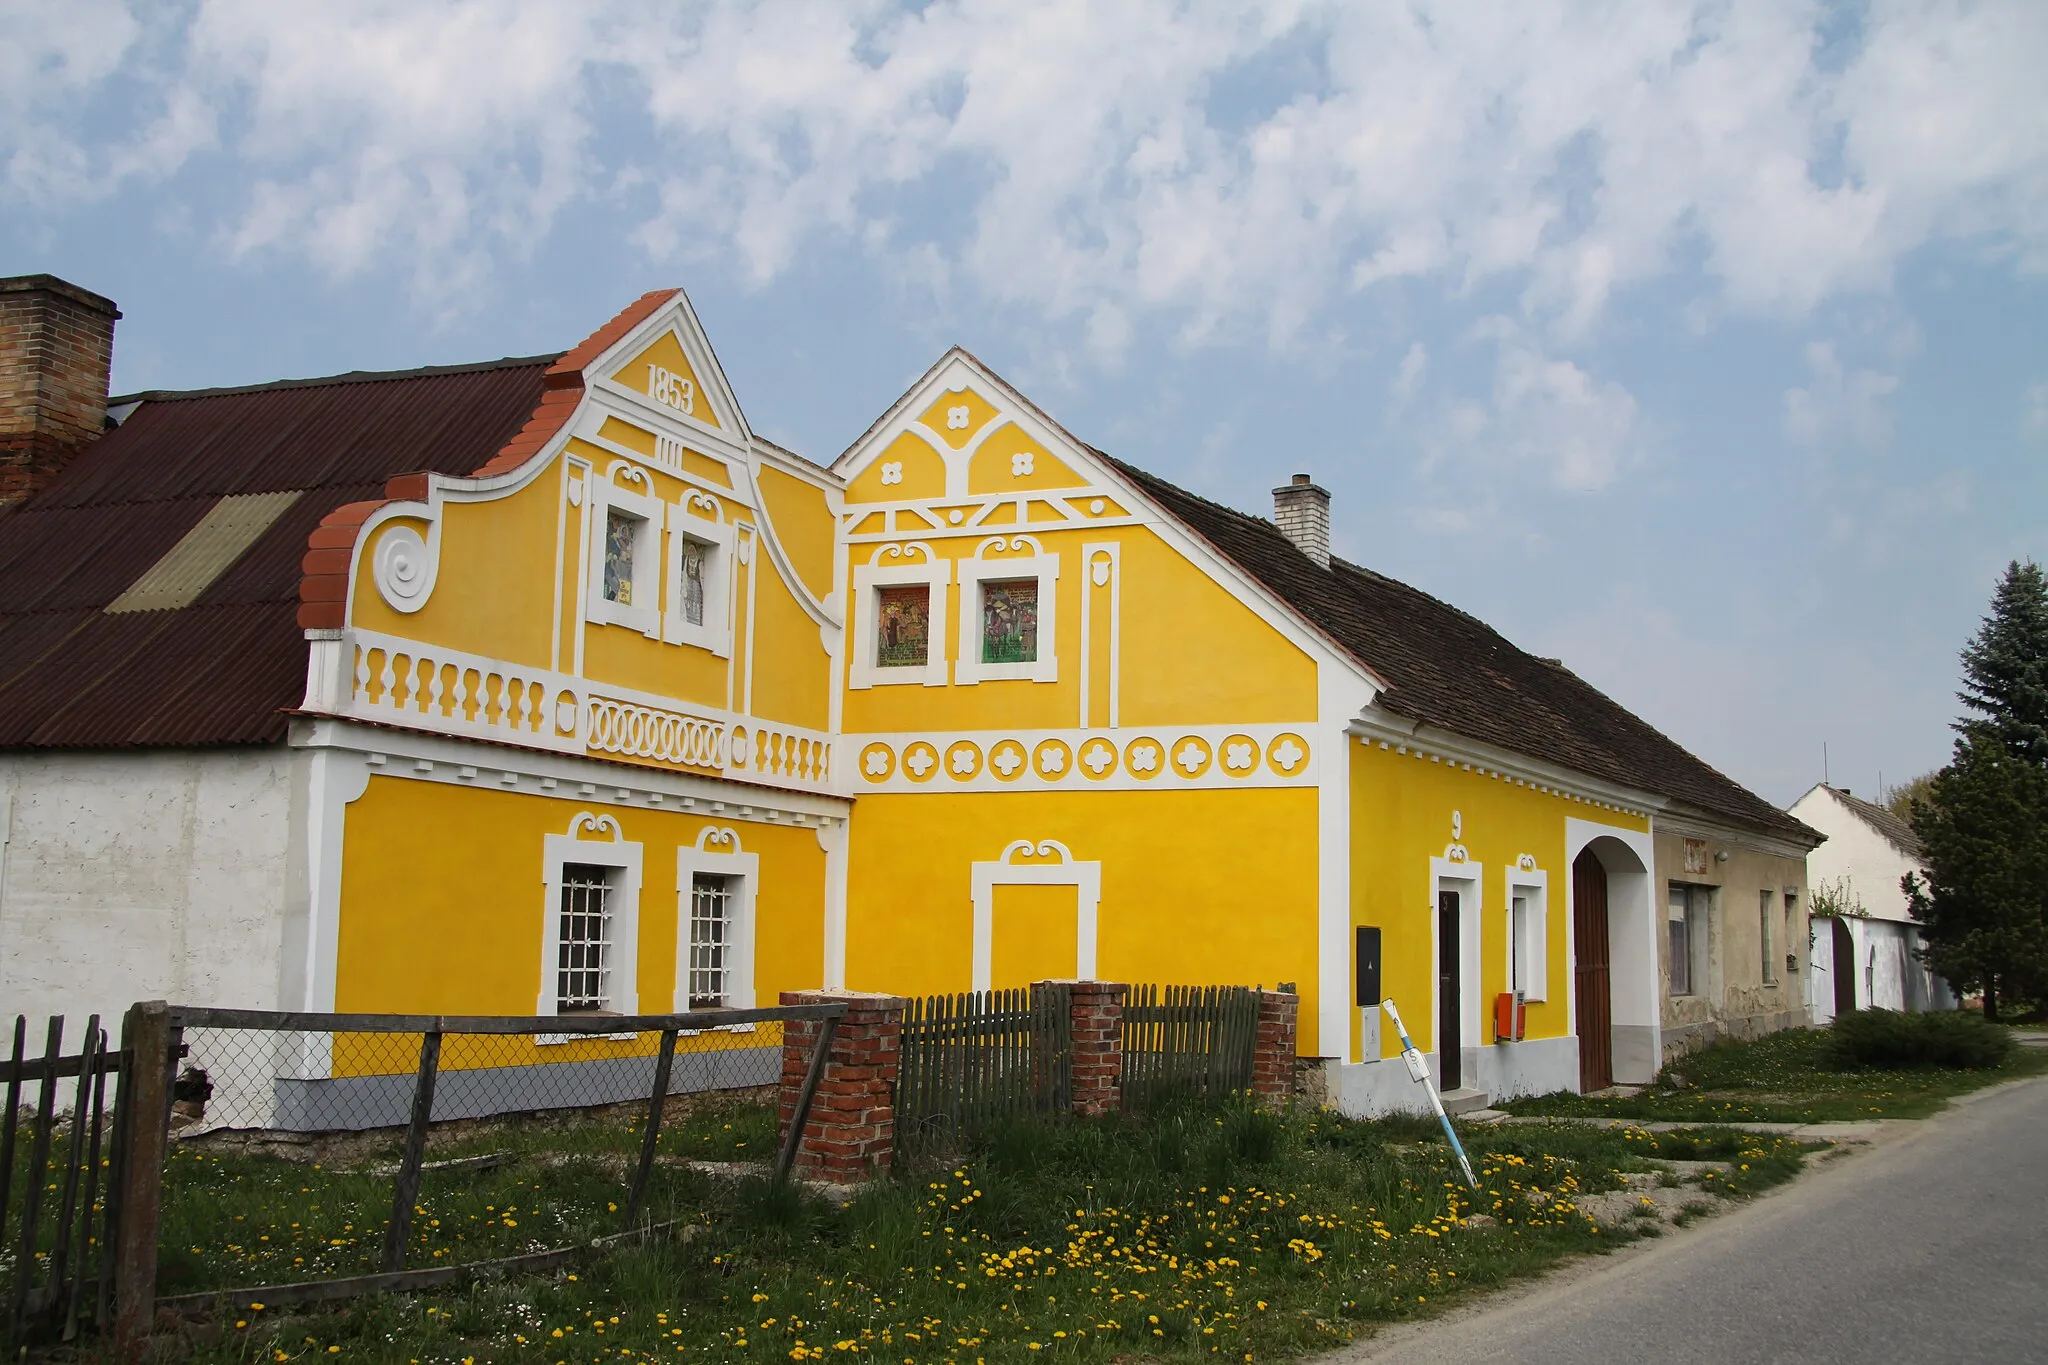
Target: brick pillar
[1274, 1047]
[851, 1133]
[1098, 1045]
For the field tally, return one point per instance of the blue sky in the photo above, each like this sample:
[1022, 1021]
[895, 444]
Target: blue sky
[1703, 345]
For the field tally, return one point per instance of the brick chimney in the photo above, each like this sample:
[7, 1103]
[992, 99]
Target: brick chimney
[56, 352]
[1301, 510]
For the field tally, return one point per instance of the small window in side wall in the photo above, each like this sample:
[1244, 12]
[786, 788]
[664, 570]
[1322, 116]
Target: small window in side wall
[1766, 911]
[623, 533]
[696, 560]
[1009, 621]
[1688, 923]
[584, 942]
[903, 623]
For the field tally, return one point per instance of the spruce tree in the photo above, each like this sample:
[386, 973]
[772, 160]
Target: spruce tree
[1983, 826]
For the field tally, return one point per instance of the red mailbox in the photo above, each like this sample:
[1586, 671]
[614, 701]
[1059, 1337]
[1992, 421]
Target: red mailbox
[1510, 1017]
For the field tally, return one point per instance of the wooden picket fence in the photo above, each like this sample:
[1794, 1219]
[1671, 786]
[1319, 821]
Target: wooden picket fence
[1187, 1040]
[54, 1139]
[970, 1060]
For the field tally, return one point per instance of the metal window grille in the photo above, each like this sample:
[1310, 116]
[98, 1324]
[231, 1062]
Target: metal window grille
[621, 531]
[711, 930]
[1009, 622]
[583, 961]
[903, 625]
[693, 581]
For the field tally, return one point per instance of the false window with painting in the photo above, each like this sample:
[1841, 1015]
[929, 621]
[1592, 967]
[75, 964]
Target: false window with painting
[899, 632]
[625, 558]
[700, 559]
[1006, 622]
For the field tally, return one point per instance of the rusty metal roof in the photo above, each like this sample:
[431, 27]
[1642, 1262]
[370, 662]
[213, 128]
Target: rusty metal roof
[223, 667]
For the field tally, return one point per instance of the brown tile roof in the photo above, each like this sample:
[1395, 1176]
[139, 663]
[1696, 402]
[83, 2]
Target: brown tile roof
[223, 669]
[1896, 831]
[1450, 670]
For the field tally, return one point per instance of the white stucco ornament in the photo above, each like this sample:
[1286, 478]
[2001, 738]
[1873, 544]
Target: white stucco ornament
[892, 472]
[1098, 756]
[402, 570]
[958, 417]
[1007, 760]
[1237, 755]
[1020, 464]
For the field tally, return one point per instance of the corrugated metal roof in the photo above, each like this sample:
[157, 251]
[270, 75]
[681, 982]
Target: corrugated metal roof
[204, 553]
[224, 666]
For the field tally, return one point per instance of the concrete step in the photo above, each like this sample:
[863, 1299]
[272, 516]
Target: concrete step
[1465, 1101]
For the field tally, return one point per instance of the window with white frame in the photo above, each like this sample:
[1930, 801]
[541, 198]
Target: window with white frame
[591, 922]
[623, 582]
[1689, 907]
[1528, 936]
[715, 884]
[700, 552]
[900, 618]
[1007, 616]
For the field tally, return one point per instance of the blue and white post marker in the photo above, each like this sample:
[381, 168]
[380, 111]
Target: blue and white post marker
[1419, 1069]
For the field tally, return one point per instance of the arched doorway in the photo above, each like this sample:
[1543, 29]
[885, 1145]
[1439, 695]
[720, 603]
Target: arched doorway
[1592, 984]
[1845, 968]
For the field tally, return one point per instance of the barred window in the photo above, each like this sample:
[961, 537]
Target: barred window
[1009, 622]
[710, 939]
[903, 625]
[583, 960]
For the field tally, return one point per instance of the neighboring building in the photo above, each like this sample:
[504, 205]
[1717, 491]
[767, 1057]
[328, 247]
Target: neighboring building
[545, 686]
[1865, 956]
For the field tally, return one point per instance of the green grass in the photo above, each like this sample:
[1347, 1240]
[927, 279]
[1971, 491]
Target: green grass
[1784, 1077]
[1203, 1233]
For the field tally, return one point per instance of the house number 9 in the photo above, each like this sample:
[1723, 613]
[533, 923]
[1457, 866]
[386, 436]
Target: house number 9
[672, 389]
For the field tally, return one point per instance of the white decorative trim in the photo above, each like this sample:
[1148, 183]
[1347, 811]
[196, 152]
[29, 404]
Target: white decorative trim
[1526, 880]
[868, 579]
[623, 971]
[601, 497]
[968, 669]
[1085, 877]
[717, 852]
[1470, 879]
[1130, 759]
[1380, 729]
[403, 566]
[1101, 567]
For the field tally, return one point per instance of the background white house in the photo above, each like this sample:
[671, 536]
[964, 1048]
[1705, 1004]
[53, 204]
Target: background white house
[1864, 958]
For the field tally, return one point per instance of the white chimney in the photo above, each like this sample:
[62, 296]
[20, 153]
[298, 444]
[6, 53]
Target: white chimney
[1301, 510]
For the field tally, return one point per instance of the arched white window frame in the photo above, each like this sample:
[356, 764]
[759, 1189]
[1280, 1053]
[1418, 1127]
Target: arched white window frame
[1084, 877]
[892, 567]
[622, 855]
[685, 523]
[641, 615]
[717, 852]
[972, 573]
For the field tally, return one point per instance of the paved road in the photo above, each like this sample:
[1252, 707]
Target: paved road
[1932, 1245]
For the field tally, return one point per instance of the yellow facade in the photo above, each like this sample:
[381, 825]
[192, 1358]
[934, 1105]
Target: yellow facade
[1077, 743]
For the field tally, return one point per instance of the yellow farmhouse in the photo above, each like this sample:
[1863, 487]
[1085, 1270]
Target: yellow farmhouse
[617, 706]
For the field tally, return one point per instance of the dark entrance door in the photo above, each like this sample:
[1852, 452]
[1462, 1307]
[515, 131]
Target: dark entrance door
[1845, 968]
[1594, 996]
[1450, 1043]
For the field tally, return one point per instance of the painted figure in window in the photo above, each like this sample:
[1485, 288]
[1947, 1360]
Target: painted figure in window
[693, 581]
[1009, 622]
[621, 531]
[903, 625]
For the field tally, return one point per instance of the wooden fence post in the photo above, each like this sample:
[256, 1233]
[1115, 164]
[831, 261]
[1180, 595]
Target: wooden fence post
[656, 1102]
[144, 1122]
[415, 1148]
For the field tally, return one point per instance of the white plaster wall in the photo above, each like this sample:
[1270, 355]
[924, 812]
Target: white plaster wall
[152, 874]
[1886, 973]
[1856, 857]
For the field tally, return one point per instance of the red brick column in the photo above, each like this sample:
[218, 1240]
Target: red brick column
[1273, 1048]
[1097, 1024]
[851, 1132]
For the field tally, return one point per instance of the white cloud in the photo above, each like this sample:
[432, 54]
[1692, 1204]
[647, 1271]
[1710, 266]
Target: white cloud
[1838, 403]
[1408, 377]
[1087, 163]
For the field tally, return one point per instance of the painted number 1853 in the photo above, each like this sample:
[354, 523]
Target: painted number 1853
[666, 386]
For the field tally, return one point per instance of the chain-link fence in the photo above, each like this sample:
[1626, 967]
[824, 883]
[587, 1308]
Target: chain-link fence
[316, 1156]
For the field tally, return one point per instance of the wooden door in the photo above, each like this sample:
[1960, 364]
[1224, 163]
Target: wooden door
[1845, 969]
[1591, 977]
[1450, 1043]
